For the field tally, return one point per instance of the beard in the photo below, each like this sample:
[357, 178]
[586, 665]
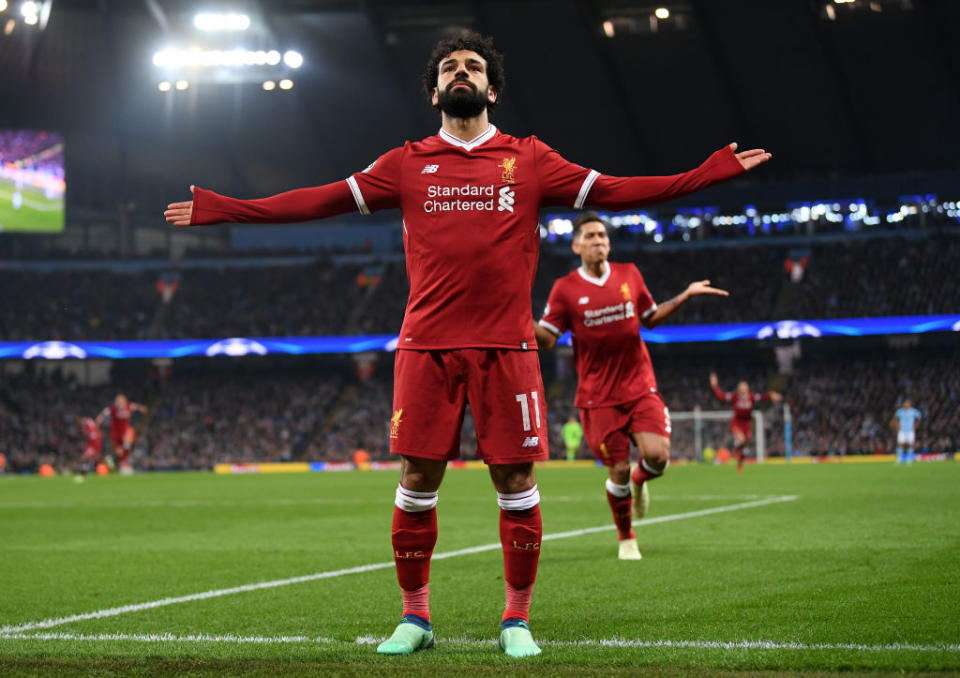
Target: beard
[462, 103]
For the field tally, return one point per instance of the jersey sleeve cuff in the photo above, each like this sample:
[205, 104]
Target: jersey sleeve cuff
[551, 328]
[649, 312]
[585, 189]
[357, 195]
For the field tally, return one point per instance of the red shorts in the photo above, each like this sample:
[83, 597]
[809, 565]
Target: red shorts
[608, 429]
[505, 392]
[117, 435]
[745, 428]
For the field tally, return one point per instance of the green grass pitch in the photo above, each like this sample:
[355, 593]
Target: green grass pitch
[857, 574]
[37, 214]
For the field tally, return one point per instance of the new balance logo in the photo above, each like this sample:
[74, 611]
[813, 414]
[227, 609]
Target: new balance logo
[532, 441]
[505, 204]
[430, 169]
[584, 300]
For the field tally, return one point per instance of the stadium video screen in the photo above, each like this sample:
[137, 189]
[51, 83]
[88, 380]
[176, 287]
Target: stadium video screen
[32, 184]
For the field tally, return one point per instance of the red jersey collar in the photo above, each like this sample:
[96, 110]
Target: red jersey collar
[468, 145]
[599, 282]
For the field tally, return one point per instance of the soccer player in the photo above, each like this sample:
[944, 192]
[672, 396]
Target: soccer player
[572, 433]
[470, 197]
[92, 445]
[741, 424]
[603, 303]
[122, 434]
[906, 417]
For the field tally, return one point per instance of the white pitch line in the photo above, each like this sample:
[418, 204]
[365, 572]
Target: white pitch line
[137, 607]
[603, 642]
[211, 503]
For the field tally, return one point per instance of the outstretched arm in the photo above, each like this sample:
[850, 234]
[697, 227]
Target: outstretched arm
[620, 193]
[104, 413]
[138, 407]
[303, 204]
[667, 308]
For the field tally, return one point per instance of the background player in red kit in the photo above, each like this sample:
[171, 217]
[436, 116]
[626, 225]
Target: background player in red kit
[92, 445]
[741, 425]
[470, 197]
[122, 434]
[603, 304]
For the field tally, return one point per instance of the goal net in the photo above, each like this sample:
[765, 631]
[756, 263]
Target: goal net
[696, 430]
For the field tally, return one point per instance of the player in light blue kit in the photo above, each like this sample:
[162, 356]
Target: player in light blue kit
[906, 417]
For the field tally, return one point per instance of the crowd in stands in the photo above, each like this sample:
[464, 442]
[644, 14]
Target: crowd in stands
[194, 421]
[842, 404]
[76, 305]
[873, 277]
[880, 277]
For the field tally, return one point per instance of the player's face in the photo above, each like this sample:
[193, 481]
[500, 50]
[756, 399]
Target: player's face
[592, 242]
[743, 388]
[463, 90]
[120, 401]
[907, 404]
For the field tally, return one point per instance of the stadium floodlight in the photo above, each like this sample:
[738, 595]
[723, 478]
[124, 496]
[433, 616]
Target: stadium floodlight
[210, 21]
[182, 85]
[164, 86]
[662, 13]
[29, 9]
[609, 29]
[293, 59]
[269, 85]
[286, 83]
[273, 57]
[3, 5]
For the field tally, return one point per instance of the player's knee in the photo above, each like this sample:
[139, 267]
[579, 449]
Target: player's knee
[658, 453]
[512, 478]
[620, 472]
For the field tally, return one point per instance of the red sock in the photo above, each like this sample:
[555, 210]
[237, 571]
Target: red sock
[414, 536]
[622, 515]
[520, 535]
[738, 453]
[643, 472]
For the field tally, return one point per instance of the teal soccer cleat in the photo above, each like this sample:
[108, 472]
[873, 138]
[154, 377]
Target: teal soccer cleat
[515, 639]
[412, 633]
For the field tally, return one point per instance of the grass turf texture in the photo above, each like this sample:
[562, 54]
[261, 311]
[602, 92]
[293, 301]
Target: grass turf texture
[37, 214]
[866, 555]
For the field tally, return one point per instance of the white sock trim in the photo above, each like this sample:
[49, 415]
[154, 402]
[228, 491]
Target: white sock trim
[652, 471]
[415, 502]
[618, 490]
[519, 501]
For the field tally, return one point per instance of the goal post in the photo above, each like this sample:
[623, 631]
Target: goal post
[696, 429]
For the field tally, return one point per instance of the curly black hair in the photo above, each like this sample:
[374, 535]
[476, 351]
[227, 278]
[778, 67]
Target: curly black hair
[473, 42]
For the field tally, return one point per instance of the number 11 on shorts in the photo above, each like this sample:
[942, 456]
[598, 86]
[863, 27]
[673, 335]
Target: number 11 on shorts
[525, 408]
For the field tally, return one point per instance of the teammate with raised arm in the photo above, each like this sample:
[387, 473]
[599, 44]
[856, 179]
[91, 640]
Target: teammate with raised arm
[122, 434]
[906, 417]
[92, 446]
[470, 197]
[741, 424]
[603, 304]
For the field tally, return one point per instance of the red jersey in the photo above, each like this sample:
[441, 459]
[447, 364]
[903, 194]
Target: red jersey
[119, 417]
[742, 404]
[603, 316]
[91, 433]
[470, 224]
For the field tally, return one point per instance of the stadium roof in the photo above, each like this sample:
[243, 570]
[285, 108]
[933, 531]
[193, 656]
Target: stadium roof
[833, 89]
